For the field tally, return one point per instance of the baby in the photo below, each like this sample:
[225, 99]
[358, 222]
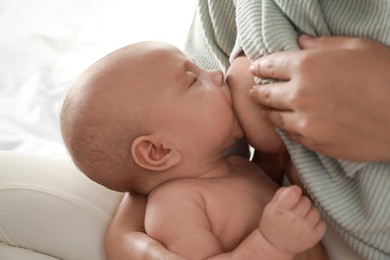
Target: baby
[146, 119]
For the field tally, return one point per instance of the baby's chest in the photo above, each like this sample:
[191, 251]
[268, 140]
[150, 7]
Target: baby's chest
[235, 214]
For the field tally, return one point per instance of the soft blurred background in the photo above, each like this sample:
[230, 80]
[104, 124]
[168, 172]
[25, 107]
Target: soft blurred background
[46, 44]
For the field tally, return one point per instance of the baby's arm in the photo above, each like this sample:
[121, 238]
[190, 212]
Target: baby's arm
[289, 229]
[126, 238]
[176, 216]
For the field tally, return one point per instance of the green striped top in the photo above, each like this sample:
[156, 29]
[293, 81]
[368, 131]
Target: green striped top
[353, 197]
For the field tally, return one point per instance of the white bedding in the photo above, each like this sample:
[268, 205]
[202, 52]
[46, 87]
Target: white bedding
[46, 44]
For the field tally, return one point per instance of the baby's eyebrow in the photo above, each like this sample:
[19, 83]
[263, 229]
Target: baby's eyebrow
[187, 63]
[190, 64]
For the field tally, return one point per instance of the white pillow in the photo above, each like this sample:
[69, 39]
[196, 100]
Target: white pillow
[48, 206]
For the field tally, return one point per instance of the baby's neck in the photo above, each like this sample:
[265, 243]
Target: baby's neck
[210, 169]
[220, 168]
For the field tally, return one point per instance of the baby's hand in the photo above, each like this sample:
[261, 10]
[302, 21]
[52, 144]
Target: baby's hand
[290, 223]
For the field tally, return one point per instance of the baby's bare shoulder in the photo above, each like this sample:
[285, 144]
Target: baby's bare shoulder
[176, 191]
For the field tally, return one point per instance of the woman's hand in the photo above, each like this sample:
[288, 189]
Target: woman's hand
[126, 237]
[333, 96]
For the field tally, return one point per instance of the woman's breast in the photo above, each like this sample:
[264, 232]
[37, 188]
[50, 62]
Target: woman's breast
[293, 177]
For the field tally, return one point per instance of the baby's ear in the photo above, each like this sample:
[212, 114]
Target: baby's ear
[150, 153]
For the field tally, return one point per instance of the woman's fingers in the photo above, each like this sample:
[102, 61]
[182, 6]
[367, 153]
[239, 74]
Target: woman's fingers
[276, 106]
[271, 95]
[277, 65]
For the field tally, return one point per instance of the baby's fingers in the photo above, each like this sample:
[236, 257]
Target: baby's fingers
[303, 207]
[314, 219]
[286, 198]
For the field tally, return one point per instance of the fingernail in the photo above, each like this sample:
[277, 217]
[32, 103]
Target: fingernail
[252, 92]
[306, 37]
[306, 41]
[252, 68]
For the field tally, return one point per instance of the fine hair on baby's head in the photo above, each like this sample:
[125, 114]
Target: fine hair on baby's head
[146, 114]
[102, 114]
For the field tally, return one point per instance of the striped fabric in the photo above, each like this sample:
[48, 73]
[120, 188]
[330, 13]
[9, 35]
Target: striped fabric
[353, 197]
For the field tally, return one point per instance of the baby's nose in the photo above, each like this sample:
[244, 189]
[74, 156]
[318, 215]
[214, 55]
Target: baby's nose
[217, 77]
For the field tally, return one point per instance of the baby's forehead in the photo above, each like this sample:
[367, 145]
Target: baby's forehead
[135, 55]
[152, 49]
[134, 65]
[157, 56]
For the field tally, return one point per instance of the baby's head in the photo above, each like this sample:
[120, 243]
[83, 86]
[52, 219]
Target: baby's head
[145, 114]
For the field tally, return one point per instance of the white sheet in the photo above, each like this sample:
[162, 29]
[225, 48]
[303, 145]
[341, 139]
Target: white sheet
[46, 44]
